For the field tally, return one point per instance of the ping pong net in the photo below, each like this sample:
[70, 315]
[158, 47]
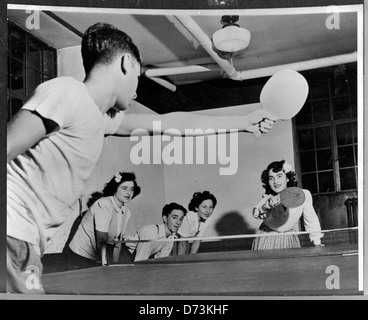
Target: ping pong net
[332, 237]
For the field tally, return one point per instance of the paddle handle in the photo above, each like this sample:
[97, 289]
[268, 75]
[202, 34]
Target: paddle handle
[104, 255]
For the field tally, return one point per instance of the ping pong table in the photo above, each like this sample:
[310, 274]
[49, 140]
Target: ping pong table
[302, 271]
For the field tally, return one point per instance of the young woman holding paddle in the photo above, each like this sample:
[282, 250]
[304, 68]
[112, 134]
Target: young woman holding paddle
[281, 208]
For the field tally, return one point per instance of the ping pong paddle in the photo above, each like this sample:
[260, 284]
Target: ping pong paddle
[284, 94]
[292, 197]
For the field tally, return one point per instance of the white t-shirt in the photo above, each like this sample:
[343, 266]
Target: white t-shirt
[191, 227]
[104, 216]
[45, 183]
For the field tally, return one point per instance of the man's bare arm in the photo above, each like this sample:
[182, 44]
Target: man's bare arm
[257, 123]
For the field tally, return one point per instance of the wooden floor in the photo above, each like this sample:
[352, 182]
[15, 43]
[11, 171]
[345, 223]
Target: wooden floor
[238, 273]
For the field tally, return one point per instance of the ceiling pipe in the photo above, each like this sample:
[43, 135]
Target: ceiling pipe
[185, 62]
[159, 72]
[164, 83]
[299, 66]
[261, 72]
[206, 44]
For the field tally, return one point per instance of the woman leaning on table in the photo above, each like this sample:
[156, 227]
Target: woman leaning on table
[104, 224]
[197, 221]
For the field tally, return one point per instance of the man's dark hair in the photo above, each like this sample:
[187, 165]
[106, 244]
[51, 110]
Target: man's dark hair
[102, 42]
[167, 209]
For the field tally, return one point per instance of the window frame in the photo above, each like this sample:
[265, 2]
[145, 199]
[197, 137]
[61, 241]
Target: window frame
[28, 38]
[332, 123]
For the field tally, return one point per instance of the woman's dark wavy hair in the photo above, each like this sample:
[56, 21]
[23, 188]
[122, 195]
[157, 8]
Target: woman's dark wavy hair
[167, 209]
[277, 166]
[199, 197]
[102, 42]
[112, 186]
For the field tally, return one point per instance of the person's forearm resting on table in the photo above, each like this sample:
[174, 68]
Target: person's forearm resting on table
[195, 246]
[182, 247]
[102, 239]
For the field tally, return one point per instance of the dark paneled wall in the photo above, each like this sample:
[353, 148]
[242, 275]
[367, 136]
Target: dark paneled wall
[199, 96]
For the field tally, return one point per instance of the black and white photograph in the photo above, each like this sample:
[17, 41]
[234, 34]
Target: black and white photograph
[169, 152]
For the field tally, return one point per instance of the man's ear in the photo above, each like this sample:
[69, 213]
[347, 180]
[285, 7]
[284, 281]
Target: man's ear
[122, 65]
[164, 218]
[125, 59]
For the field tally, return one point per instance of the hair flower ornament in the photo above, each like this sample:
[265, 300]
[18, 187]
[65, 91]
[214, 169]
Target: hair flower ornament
[286, 167]
[118, 177]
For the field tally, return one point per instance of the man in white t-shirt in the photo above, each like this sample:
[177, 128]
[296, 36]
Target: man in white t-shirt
[56, 139]
[172, 215]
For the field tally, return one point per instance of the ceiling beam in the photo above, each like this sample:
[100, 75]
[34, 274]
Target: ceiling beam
[64, 23]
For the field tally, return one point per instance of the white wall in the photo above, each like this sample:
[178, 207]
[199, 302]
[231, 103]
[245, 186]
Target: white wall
[70, 63]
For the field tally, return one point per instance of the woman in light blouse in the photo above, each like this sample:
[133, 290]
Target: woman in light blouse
[197, 221]
[105, 223]
[278, 219]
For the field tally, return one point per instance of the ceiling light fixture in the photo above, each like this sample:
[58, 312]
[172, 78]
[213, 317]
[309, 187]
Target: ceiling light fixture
[231, 38]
